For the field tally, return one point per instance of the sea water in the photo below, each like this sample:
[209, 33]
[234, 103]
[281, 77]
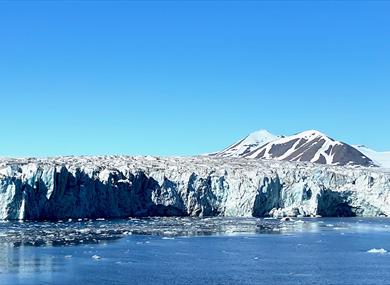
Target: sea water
[196, 251]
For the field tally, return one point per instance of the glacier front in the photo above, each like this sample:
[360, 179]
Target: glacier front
[123, 186]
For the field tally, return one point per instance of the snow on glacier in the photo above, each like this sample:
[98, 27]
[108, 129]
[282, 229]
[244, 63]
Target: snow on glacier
[122, 186]
[381, 158]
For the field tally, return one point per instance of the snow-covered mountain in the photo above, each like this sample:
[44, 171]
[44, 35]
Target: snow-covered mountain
[310, 146]
[381, 158]
[247, 144]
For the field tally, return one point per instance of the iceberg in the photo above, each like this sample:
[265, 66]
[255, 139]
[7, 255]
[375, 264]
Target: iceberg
[377, 250]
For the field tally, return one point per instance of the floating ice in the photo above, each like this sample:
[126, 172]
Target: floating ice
[377, 250]
[93, 232]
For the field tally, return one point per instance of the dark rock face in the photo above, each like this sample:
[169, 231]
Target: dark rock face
[280, 149]
[307, 150]
[346, 154]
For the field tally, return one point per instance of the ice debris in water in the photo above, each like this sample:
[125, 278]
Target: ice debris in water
[96, 232]
[377, 250]
[92, 232]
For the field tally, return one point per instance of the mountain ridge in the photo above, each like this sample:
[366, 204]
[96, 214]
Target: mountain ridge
[307, 146]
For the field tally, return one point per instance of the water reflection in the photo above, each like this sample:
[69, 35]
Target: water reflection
[97, 251]
[23, 261]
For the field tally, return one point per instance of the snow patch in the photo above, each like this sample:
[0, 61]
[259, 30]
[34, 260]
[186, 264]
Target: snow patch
[246, 145]
[381, 158]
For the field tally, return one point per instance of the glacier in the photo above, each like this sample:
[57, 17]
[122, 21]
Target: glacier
[141, 186]
[381, 158]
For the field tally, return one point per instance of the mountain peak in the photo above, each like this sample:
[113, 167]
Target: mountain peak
[311, 146]
[311, 133]
[247, 144]
[259, 137]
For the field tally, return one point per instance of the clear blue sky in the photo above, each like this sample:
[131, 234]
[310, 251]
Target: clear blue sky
[182, 78]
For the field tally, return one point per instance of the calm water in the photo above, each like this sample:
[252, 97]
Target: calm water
[196, 251]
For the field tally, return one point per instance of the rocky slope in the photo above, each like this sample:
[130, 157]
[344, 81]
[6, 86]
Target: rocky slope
[310, 146]
[93, 187]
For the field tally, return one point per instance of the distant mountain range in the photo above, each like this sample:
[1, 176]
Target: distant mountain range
[310, 146]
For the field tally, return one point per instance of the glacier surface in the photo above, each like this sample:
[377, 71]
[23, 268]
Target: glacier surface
[381, 158]
[123, 186]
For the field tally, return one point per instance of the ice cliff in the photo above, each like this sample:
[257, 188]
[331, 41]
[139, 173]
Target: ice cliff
[121, 186]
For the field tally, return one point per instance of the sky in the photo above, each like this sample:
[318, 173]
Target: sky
[189, 77]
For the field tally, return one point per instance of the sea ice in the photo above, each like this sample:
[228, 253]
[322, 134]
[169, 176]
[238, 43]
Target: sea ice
[377, 250]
